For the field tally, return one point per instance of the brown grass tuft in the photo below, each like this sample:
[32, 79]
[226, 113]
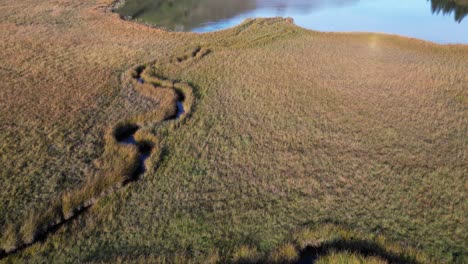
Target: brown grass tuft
[246, 254]
[286, 253]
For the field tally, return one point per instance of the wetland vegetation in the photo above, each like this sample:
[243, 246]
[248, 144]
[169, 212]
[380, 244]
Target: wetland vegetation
[293, 145]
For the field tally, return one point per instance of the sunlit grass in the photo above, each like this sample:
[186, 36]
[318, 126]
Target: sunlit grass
[289, 127]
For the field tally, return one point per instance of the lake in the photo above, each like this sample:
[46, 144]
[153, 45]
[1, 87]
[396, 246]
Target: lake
[441, 21]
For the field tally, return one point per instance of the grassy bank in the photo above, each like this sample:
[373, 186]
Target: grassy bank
[292, 128]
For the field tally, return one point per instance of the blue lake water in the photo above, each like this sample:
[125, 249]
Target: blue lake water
[441, 21]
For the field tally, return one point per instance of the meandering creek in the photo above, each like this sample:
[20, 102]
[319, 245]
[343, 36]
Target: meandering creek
[144, 150]
[124, 136]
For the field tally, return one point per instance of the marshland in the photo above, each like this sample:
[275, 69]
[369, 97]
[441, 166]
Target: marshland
[128, 136]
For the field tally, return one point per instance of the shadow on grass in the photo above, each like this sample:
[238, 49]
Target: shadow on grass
[362, 247]
[41, 234]
[123, 131]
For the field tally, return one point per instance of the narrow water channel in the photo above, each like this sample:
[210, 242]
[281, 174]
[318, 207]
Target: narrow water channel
[124, 135]
[127, 135]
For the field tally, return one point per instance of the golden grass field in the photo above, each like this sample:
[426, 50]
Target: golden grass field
[295, 138]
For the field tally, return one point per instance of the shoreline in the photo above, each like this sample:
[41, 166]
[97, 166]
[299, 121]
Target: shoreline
[119, 3]
[116, 60]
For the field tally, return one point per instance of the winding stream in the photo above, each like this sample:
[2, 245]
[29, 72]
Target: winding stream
[124, 136]
[144, 150]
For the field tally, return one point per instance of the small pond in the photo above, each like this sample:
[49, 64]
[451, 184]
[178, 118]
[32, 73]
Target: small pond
[441, 21]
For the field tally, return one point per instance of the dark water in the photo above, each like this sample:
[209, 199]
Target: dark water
[442, 21]
[126, 136]
[180, 109]
[143, 154]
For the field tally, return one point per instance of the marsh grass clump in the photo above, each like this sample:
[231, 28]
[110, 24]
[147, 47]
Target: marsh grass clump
[10, 238]
[38, 224]
[286, 253]
[120, 161]
[246, 254]
[152, 75]
[203, 52]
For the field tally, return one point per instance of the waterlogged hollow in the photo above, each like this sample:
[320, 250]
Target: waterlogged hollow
[439, 21]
